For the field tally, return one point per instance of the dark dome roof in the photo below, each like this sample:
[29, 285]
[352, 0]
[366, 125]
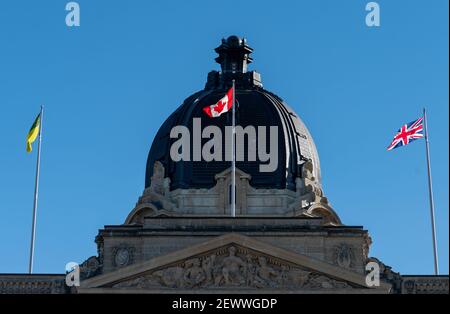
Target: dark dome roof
[257, 107]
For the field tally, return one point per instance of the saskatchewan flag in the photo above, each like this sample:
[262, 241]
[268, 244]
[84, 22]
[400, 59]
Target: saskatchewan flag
[33, 133]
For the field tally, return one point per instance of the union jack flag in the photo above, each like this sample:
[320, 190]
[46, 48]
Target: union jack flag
[408, 133]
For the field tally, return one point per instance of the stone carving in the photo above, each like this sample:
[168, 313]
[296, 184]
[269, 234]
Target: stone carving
[157, 180]
[387, 274]
[48, 284]
[308, 190]
[425, 285]
[100, 250]
[208, 266]
[171, 277]
[231, 267]
[123, 255]
[366, 246]
[194, 274]
[90, 267]
[266, 276]
[155, 198]
[307, 171]
[344, 256]
[409, 286]
[310, 185]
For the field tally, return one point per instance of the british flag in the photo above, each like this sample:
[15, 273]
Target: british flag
[408, 133]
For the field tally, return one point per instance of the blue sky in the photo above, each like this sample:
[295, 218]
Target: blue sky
[108, 85]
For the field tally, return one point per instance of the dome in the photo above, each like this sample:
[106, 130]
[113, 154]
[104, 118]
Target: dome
[255, 106]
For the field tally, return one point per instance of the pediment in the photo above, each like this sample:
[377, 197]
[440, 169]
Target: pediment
[229, 263]
[227, 174]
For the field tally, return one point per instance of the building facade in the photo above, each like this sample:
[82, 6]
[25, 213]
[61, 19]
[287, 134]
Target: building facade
[180, 237]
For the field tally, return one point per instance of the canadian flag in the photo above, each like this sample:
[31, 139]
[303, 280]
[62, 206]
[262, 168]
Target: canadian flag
[222, 106]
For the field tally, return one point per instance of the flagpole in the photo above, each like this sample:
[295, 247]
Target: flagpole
[430, 190]
[36, 192]
[233, 162]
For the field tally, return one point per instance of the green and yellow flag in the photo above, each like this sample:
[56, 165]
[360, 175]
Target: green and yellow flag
[33, 133]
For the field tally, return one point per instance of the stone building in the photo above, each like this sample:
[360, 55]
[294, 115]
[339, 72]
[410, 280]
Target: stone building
[180, 236]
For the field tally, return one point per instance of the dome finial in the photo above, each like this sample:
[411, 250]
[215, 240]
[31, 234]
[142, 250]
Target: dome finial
[234, 55]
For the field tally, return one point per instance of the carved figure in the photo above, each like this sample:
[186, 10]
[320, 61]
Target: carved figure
[232, 269]
[194, 275]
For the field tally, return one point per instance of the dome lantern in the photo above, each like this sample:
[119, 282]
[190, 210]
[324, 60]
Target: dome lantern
[234, 55]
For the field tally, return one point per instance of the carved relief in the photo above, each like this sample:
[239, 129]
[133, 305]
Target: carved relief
[30, 285]
[231, 267]
[344, 256]
[90, 267]
[123, 255]
[155, 198]
[157, 180]
[425, 285]
[366, 246]
[308, 190]
[193, 275]
[100, 249]
[387, 274]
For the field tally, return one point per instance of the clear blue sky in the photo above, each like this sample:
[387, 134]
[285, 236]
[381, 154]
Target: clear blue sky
[109, 84]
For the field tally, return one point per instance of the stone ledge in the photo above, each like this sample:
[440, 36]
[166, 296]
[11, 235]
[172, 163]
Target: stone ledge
[33, 284]
[216, 226]
[230, 224]
[425, 284]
